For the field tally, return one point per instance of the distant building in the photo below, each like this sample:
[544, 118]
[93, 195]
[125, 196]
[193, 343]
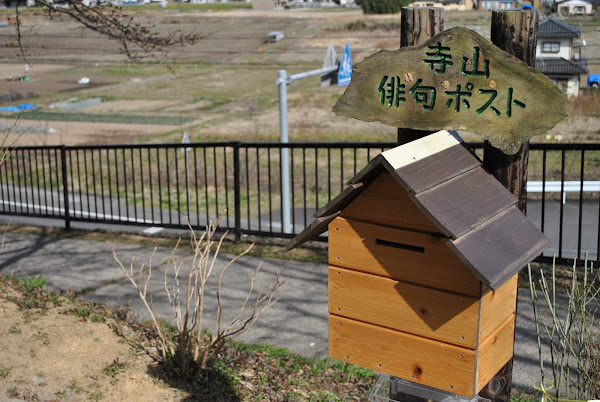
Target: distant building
[557, 57]
[497, 4]
[575, 7]
[449, 5]
[267, 4]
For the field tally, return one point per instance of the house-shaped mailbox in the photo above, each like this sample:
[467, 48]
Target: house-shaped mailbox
[424, 251]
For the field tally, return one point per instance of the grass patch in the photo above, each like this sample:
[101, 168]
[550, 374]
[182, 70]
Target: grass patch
[5, 371]
[102, 118]
[243, 372]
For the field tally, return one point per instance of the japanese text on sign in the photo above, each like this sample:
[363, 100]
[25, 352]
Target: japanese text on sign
[465, 96]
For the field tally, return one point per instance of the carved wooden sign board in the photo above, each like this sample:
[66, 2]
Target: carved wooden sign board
[457, 80]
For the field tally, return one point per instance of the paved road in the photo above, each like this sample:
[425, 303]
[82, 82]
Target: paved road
[298, 321]
[87, 207]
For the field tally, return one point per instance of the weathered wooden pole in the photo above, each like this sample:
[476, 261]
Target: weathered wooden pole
[417, 24]
[516, 33]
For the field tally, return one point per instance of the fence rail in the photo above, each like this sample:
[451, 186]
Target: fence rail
[169, 185]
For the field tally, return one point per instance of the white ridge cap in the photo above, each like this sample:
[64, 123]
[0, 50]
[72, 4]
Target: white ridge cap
[419, 149]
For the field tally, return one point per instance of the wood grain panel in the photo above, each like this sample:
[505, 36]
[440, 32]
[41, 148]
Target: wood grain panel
[431, 313]
[355, 245]
[502, 246]
[494, 352]
[433, 170]
[497, 305]
[421, 360]
[385, 201]
[465, 202]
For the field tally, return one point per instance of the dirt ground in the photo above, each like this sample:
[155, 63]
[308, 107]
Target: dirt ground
[83, 360]
[224, 85]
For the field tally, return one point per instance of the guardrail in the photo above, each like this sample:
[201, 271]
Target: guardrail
[169, 185]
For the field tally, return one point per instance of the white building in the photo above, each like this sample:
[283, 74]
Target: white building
[556, 56]
[575, 7]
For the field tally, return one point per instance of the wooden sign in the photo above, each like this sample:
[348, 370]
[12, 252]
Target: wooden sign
[456, 80]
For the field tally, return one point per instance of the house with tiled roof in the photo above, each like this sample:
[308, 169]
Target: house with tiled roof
[557, 56]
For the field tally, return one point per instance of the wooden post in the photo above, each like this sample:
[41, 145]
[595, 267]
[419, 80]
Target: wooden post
[417, 24]
[516, 33]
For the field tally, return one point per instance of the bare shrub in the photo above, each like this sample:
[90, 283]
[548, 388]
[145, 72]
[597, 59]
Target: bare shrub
[572, 334]
[191, 350]
[587, 104]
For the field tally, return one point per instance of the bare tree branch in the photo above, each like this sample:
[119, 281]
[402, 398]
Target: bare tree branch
[112, 22]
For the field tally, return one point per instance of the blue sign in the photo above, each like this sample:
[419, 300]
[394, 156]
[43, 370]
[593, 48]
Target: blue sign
[345, 71]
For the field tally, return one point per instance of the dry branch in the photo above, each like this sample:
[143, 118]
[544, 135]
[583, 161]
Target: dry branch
[188, 352]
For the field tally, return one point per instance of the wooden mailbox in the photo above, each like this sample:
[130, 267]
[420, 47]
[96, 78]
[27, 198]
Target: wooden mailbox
[424, 248]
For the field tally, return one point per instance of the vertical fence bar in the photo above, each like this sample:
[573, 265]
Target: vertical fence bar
[94, 184]
[133, 177]
[226, 177]
[150, 182]
[258, 188]
[543, 214]
[142, 185]
[170, 212]
[187, 184]
[125, 185]
[12, 197]
[341, 169]
[87, 183]
[226, 180]
[249, 222]
[110, 195]
[158, 173]
[58, 181]
[12, 175]
[37, 202]
[328, 174]
[581, 174]
[4, 197]
[79, 184]
[23, 187]
[217, 210]
[562, 197]
[65, 184]
[32, 185]
[196, 186]
[316, 180]
[117, 182]
[304, 185]
[206, 186]
[177, 186]
[103, 198]
[293, 192]
[270, 189]
[236, 191]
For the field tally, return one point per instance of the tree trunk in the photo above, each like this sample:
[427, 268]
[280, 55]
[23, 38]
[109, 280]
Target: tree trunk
[417, 25]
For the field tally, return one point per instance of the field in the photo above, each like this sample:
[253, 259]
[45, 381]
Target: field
[222, 88]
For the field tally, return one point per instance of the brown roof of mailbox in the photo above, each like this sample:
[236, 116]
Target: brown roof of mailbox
[447, 182]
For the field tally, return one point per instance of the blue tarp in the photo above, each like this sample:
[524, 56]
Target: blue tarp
[22, 107]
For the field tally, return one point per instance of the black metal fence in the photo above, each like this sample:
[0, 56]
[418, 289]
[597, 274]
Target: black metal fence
[169, 185]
